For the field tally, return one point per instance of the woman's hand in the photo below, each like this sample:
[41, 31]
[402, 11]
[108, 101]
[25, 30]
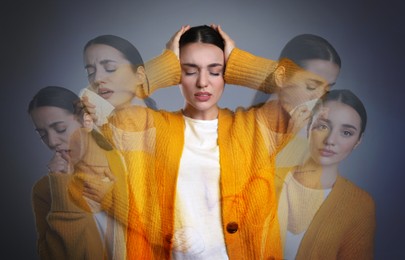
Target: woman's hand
[299, 119]
[96, 187]
[173, 43]
[229, 43]
[60, 163]
[88, 108]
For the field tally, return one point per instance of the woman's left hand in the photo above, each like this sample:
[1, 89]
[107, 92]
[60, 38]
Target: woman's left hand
[173, 43]
[299, 119]
[229, 43]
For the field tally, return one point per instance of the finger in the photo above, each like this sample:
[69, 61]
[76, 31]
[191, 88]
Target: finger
[223, 34]
[65, 155]
[110, 175]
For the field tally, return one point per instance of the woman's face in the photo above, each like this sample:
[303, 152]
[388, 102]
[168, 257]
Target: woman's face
[334, 133]
[111, 75]
[55, 126]
[309, 84]
[202, 81]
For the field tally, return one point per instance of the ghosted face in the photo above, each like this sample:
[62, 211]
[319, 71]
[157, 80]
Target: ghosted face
[334, 133]
[309, 83]
[111, 75]
[55, 126]
[202, 81]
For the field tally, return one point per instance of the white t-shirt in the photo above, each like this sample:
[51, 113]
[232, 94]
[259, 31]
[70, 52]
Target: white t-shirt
[296, 199]
[198, 226]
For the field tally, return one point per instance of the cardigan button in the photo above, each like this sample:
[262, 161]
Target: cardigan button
[232, 227]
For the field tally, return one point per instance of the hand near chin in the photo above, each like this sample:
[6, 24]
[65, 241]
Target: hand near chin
[173, 44]
[88, 107]
[60, 163]
[299, 119]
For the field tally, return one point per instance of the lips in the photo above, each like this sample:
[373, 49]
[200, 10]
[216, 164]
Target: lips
[202, 96]
[326, 152]
[105, 93]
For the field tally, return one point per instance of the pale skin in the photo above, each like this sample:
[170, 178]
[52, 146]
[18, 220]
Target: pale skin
[111, 75]
[333, 135]
[63, 133]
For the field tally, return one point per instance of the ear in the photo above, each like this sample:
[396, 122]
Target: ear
[359, 141]
[88, 123]
[141, 74]
[279, 76]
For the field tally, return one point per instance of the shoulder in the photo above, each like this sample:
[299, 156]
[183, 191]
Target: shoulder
[357, 197]
[41, 188]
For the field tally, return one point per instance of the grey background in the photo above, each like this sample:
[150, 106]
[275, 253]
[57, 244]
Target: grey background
[41, 44]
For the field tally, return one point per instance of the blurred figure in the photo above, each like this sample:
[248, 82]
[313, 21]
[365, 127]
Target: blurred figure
[117, 74]
[323, 215]
[307, 67]
[202, 186]
[67, 230]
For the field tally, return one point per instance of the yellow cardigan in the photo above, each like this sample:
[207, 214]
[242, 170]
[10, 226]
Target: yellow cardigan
[152, 144]
[342, 228]
[65, 225]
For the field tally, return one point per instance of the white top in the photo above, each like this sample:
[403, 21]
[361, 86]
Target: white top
[302, 203]
[198, 226]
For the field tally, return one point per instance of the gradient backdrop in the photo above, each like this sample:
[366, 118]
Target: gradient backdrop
[41, 44]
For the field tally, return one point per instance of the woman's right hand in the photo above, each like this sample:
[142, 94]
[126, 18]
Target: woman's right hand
[173, 43]
[89, 108]
[60, 163]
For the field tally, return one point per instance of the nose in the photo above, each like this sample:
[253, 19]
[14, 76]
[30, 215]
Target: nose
[330, 138]
[53, 141]
[99, 78]
[202, 81]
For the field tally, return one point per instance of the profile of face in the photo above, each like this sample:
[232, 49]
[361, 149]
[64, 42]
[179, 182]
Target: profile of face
[202, 81]
[334, 133]
[308, 84]
[111, 75]
[60, 130]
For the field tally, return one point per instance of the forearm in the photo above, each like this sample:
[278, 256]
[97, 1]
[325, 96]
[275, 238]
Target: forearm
[161, 71]
[251, 71]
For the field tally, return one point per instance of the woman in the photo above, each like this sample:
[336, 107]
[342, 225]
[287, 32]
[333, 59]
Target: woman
[66, 231]
[310, 52]
[200, 179]
[114, 69]
[323, 215]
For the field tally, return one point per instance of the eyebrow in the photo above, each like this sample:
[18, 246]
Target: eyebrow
[51, 125]
[350, 126]
[103, 62]
[212, 65]
[344, 125]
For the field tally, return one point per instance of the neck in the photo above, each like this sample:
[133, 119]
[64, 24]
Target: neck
[210, 114]
[315, 176]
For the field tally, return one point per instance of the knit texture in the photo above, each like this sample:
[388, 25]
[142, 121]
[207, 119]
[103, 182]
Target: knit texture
[342, 228]
[246, 181]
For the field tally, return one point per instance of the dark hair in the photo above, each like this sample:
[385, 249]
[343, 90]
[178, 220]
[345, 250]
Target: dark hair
[129, 51]
[55, 96]
[203, 34]
[305, 47]
[300, 49]
[346, 97]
